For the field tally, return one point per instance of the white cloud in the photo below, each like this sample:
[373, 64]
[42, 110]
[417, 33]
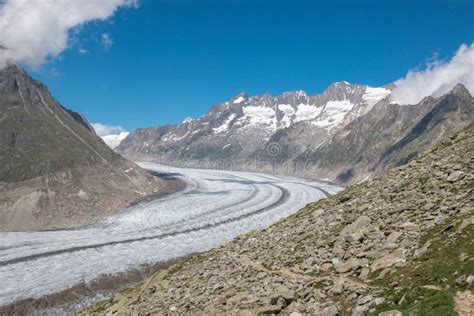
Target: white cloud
[103, 129]
[438, 78]
[34, 30]
[107, 41]
[111, 135]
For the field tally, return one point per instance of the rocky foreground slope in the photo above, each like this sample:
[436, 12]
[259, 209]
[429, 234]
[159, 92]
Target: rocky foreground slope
[400, 243]
[54, 170]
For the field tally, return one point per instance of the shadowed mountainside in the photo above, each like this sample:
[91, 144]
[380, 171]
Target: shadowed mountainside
[54, 170]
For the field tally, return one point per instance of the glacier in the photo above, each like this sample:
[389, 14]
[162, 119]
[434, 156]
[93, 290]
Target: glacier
[215, 207]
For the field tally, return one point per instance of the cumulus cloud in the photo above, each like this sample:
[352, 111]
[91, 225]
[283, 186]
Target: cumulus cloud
[32, 31]
[104, 130]
[438, 78]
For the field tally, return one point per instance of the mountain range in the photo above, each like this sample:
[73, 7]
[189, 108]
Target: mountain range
[348, 133]
[54, 170]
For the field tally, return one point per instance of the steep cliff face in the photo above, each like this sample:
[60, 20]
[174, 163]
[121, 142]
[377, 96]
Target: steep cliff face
[348, 133]
[54, 170]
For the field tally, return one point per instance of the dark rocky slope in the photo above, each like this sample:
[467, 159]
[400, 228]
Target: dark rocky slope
[399, 243]
[54, 170]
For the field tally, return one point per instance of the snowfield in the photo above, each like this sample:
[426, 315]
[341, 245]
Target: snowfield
[215, 207]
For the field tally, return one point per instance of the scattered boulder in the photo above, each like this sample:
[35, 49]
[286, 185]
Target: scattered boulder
[283, 296]
[461, 281]
[331, 311]
[364, 300]
[268, 310]
[395, 257]
[338, 287]
[364, 273]
[392, 237]
[470, 280]
[455, 176]
[360, 223]
[346, 266]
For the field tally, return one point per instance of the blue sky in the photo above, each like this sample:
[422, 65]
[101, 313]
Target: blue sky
[171, 59]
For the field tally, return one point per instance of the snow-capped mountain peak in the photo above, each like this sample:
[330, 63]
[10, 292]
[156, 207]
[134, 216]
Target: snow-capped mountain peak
[241, 97]
[187, 120]
[243, 124]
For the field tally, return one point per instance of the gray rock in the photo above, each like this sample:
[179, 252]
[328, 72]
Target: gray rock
[331, 311]
[461, 281]
[360, 310]
[396, 257]
[285, 294]
[470, 280]
[360, 223]
[364, 300]
[338, 287]
[393, 237]
[346, 266]
[455, 176]
[364, 274]
[391, 313]
[268, 310]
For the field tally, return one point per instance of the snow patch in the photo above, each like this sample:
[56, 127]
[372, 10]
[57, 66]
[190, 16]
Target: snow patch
[188, 120]
[333, 114]
[225, 126]
[373, 95]
[259, 116]
[239, 100]
[307, 112]
[288, 113]
[173, 137]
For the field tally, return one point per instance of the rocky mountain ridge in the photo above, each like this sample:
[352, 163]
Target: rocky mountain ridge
[316, 136]
[54, 170]
[257, 118]
[399, 244]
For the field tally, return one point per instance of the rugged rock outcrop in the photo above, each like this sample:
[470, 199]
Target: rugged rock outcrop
[399, 243]
[346, 134]
[54, 170]
[390, 135]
